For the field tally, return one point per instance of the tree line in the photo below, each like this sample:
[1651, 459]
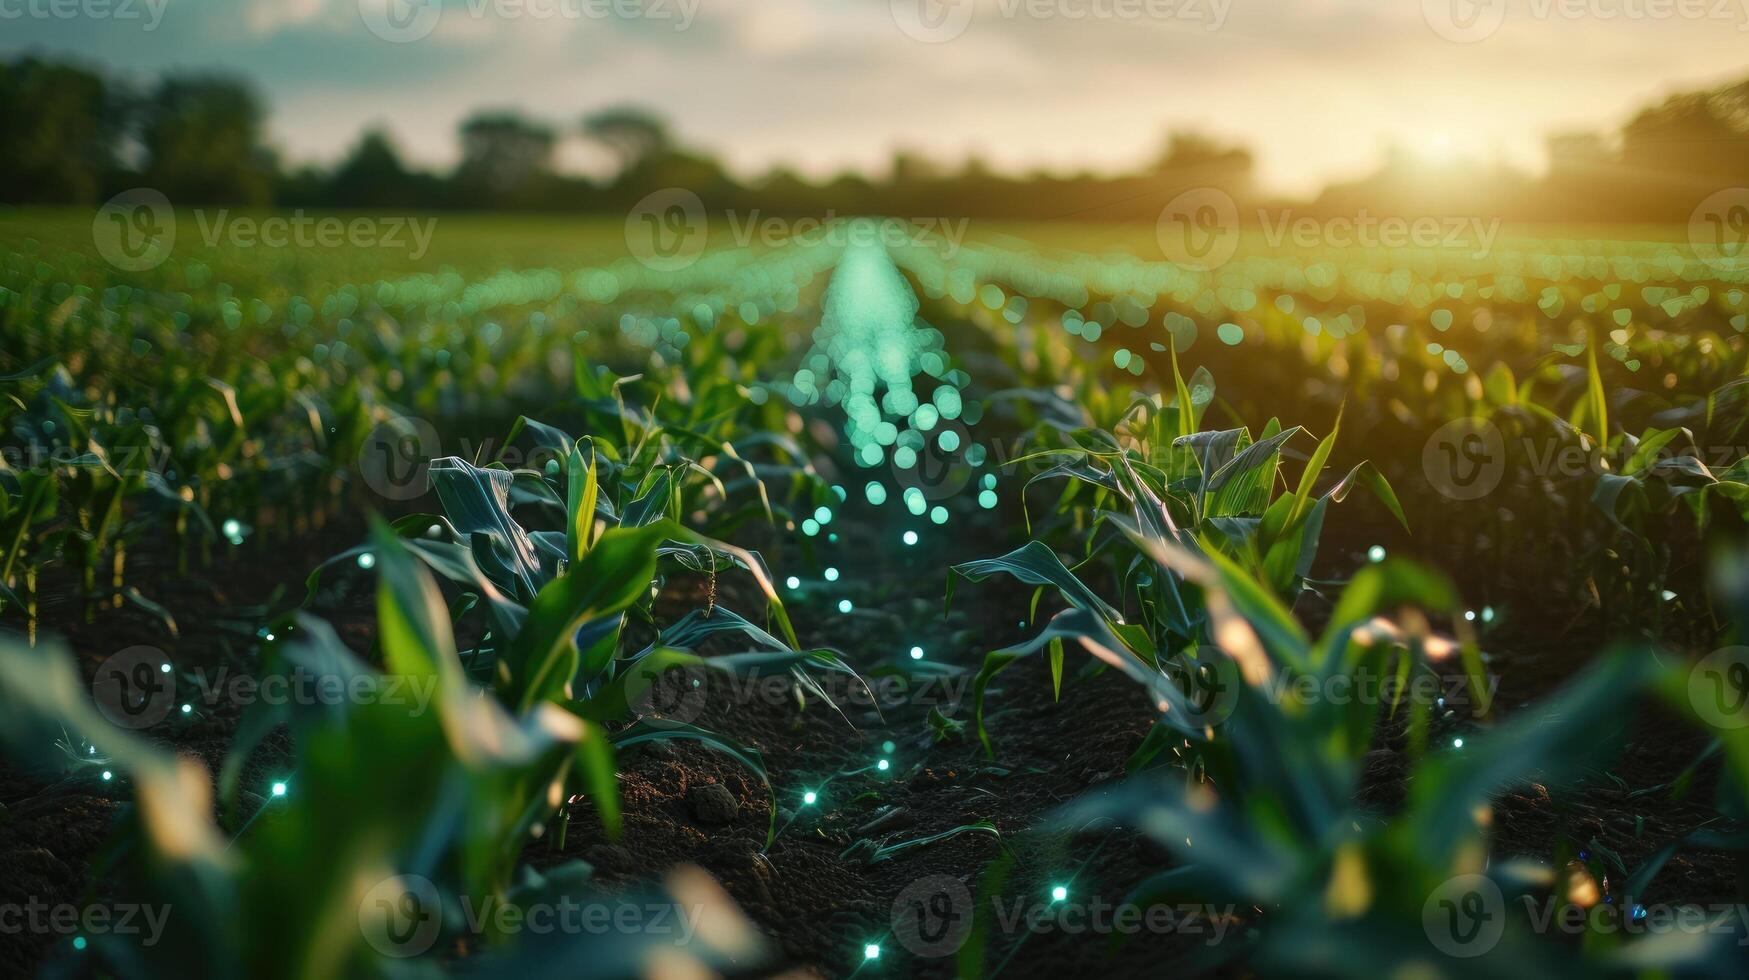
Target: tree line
[75, 136]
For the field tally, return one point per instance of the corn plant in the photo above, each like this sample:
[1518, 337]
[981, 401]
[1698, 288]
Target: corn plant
[1215, 491]
[382, 795]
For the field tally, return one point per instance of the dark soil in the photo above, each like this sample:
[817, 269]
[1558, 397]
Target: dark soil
[812, 891]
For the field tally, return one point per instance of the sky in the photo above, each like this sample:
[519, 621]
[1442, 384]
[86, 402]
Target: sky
[1318, 89]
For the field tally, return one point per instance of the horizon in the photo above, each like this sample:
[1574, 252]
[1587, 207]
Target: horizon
[993, 82]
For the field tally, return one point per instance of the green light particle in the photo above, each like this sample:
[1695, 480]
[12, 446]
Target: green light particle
[1231, 334]
[844, 605]
[925, 417]
[989, 481]
[938, 514]
[975, 454]
[887, 746]
[914, 501]
[948, 440]
[947, 401]
[1376, 553]
[871, 455]
[823, 515]
[810, 527]
[1121, 357]
[810, 798]
[871, 952]
[793, 582]
[883, 765]
[916, 654]
[831, 574]
[987, 499]
[910, 537]
[904, 457]
[1059, 893]
[875, 492]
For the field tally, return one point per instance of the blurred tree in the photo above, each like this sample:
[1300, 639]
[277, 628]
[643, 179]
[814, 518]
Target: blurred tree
[631, 134]
[202, 137]
[1196, 160]
[505, 159]
[1696, 134]
[372, 176]
[58, 130]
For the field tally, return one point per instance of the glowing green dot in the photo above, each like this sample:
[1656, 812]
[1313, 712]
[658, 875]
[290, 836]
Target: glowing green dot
[910, 537]
[948, 440]
[1376, 553]
[938, 514]
[915, 502]
[831, 574]
[810, 798]
[987, 499]
[844, 605]
[916, 654]
[1059, 893]
[1231, 334]
[875, 492]
[871, 952]
[823, 515]
[810, 527]
[793, 582]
